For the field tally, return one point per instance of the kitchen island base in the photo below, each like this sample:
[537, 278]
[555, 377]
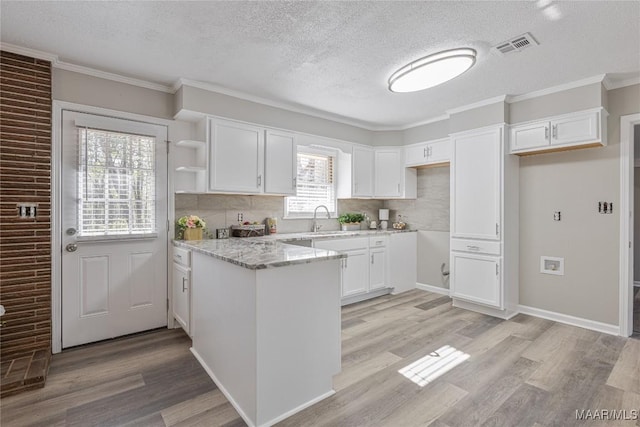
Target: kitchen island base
[269, 338]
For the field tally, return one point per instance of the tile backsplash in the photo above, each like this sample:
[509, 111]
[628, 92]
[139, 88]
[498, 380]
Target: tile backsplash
[221, 210]
[430, 211]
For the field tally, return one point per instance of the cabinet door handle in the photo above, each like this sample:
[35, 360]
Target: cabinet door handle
[424, 152]
[430, 151]
[371, 258]
[546, 132]
[295, 182]
[473, 248]
[345, 263]
[555, 131]
[259, 180]
[497, 228]
[497, 269]
[184, 284]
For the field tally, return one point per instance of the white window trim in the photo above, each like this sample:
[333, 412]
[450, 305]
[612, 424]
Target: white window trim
[323, 152]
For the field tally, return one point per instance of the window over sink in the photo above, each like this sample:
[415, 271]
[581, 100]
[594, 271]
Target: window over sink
[316, 184]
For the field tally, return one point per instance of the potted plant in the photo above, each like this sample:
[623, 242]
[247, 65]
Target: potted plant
[190, 227]
[350, 221]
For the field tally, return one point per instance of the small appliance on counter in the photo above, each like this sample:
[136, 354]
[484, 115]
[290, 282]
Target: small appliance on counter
[383, 216]
[373, 225]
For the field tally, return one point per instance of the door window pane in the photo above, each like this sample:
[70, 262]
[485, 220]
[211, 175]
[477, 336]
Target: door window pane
[116, 183]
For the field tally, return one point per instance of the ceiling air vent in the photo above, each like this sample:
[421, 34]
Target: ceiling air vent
[516, 44]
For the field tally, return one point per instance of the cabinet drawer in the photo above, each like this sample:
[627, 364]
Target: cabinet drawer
[182, 256]
[378, 241]
[337, 244]
[475, 246]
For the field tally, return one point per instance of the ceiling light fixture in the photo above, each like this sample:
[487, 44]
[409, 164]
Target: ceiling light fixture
[432, 70]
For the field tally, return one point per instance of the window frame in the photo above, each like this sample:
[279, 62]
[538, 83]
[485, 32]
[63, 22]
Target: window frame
[329, 152]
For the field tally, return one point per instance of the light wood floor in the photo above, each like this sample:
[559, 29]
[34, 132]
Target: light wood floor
[522, 372]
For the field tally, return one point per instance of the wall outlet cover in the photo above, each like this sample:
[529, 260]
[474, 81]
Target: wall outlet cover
[552, 265]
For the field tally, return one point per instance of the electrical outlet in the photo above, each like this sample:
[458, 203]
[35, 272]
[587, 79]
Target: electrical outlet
[27, 210]
[240, 217]
[556, 216]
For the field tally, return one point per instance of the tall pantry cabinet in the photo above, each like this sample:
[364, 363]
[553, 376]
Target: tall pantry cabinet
[484, 222]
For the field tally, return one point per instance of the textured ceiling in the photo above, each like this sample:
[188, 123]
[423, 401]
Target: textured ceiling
[335, 57]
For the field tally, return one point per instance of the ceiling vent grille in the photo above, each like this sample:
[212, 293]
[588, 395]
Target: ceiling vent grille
[516, 44]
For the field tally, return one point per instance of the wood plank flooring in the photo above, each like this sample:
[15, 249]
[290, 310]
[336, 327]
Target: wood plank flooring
[522, 372]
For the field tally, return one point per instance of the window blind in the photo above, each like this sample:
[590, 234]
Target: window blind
[315, 184]
[116, 183]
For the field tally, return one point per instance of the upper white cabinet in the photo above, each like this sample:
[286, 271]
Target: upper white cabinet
[248, 159]
[569, 131]
[362, 172]
[432, 153]
[280, 163]
[476, 185]
[236, 157]
[392, 178]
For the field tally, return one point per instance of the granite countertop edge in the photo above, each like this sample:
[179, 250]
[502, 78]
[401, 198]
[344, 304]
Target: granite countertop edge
[247, 252]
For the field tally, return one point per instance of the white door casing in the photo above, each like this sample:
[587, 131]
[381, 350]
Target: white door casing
[111, 285]
[627, 124]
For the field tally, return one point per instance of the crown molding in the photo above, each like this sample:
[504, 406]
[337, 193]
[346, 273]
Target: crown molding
[424, 122]
[611, 84]
[33, 53]
[484, 102]
[555, 89]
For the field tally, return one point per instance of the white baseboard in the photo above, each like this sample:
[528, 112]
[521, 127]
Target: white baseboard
[432, 288]
[570, 320]
[239, 409]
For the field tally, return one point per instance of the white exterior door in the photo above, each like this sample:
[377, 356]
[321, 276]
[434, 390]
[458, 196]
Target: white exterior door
[114, 227]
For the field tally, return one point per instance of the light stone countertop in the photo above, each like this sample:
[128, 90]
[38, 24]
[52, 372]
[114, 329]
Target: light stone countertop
[256, 253]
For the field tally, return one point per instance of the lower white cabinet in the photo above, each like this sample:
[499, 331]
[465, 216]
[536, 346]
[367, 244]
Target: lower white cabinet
[476, 278]
[365, 270]
[181, 289]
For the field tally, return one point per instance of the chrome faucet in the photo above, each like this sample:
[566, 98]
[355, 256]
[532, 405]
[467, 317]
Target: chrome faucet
[317, 226]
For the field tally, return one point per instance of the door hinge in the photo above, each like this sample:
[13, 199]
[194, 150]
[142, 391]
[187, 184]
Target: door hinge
[497, 269]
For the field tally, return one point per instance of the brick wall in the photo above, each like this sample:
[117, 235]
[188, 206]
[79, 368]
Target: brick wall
[25, 176]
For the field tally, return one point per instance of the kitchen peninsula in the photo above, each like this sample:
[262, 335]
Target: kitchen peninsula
[266, 323]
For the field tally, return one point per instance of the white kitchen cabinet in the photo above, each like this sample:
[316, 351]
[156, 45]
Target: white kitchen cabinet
[365, 270]
[378, 268]
[181, 289]
[484, 222]
[402, 261]
[280, 172]
[568, 131]
[432, 153]
[392, 178]
[476, 185]
[362, 172]
[476, 278]
[236, 157]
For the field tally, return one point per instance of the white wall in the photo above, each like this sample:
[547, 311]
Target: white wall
[573, 182]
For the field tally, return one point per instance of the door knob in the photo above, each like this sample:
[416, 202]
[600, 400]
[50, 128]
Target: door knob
[71, 231]
[71, 247]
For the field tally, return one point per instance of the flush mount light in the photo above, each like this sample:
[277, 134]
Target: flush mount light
[432, 70]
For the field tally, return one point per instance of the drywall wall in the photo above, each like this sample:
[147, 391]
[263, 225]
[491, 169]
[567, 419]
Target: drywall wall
[429, 214]
[217, 104]
[387, 138]
[573, 182]
[568, 101]
[221, 211]
[94, 91]
[427, 132]
[487, 115]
